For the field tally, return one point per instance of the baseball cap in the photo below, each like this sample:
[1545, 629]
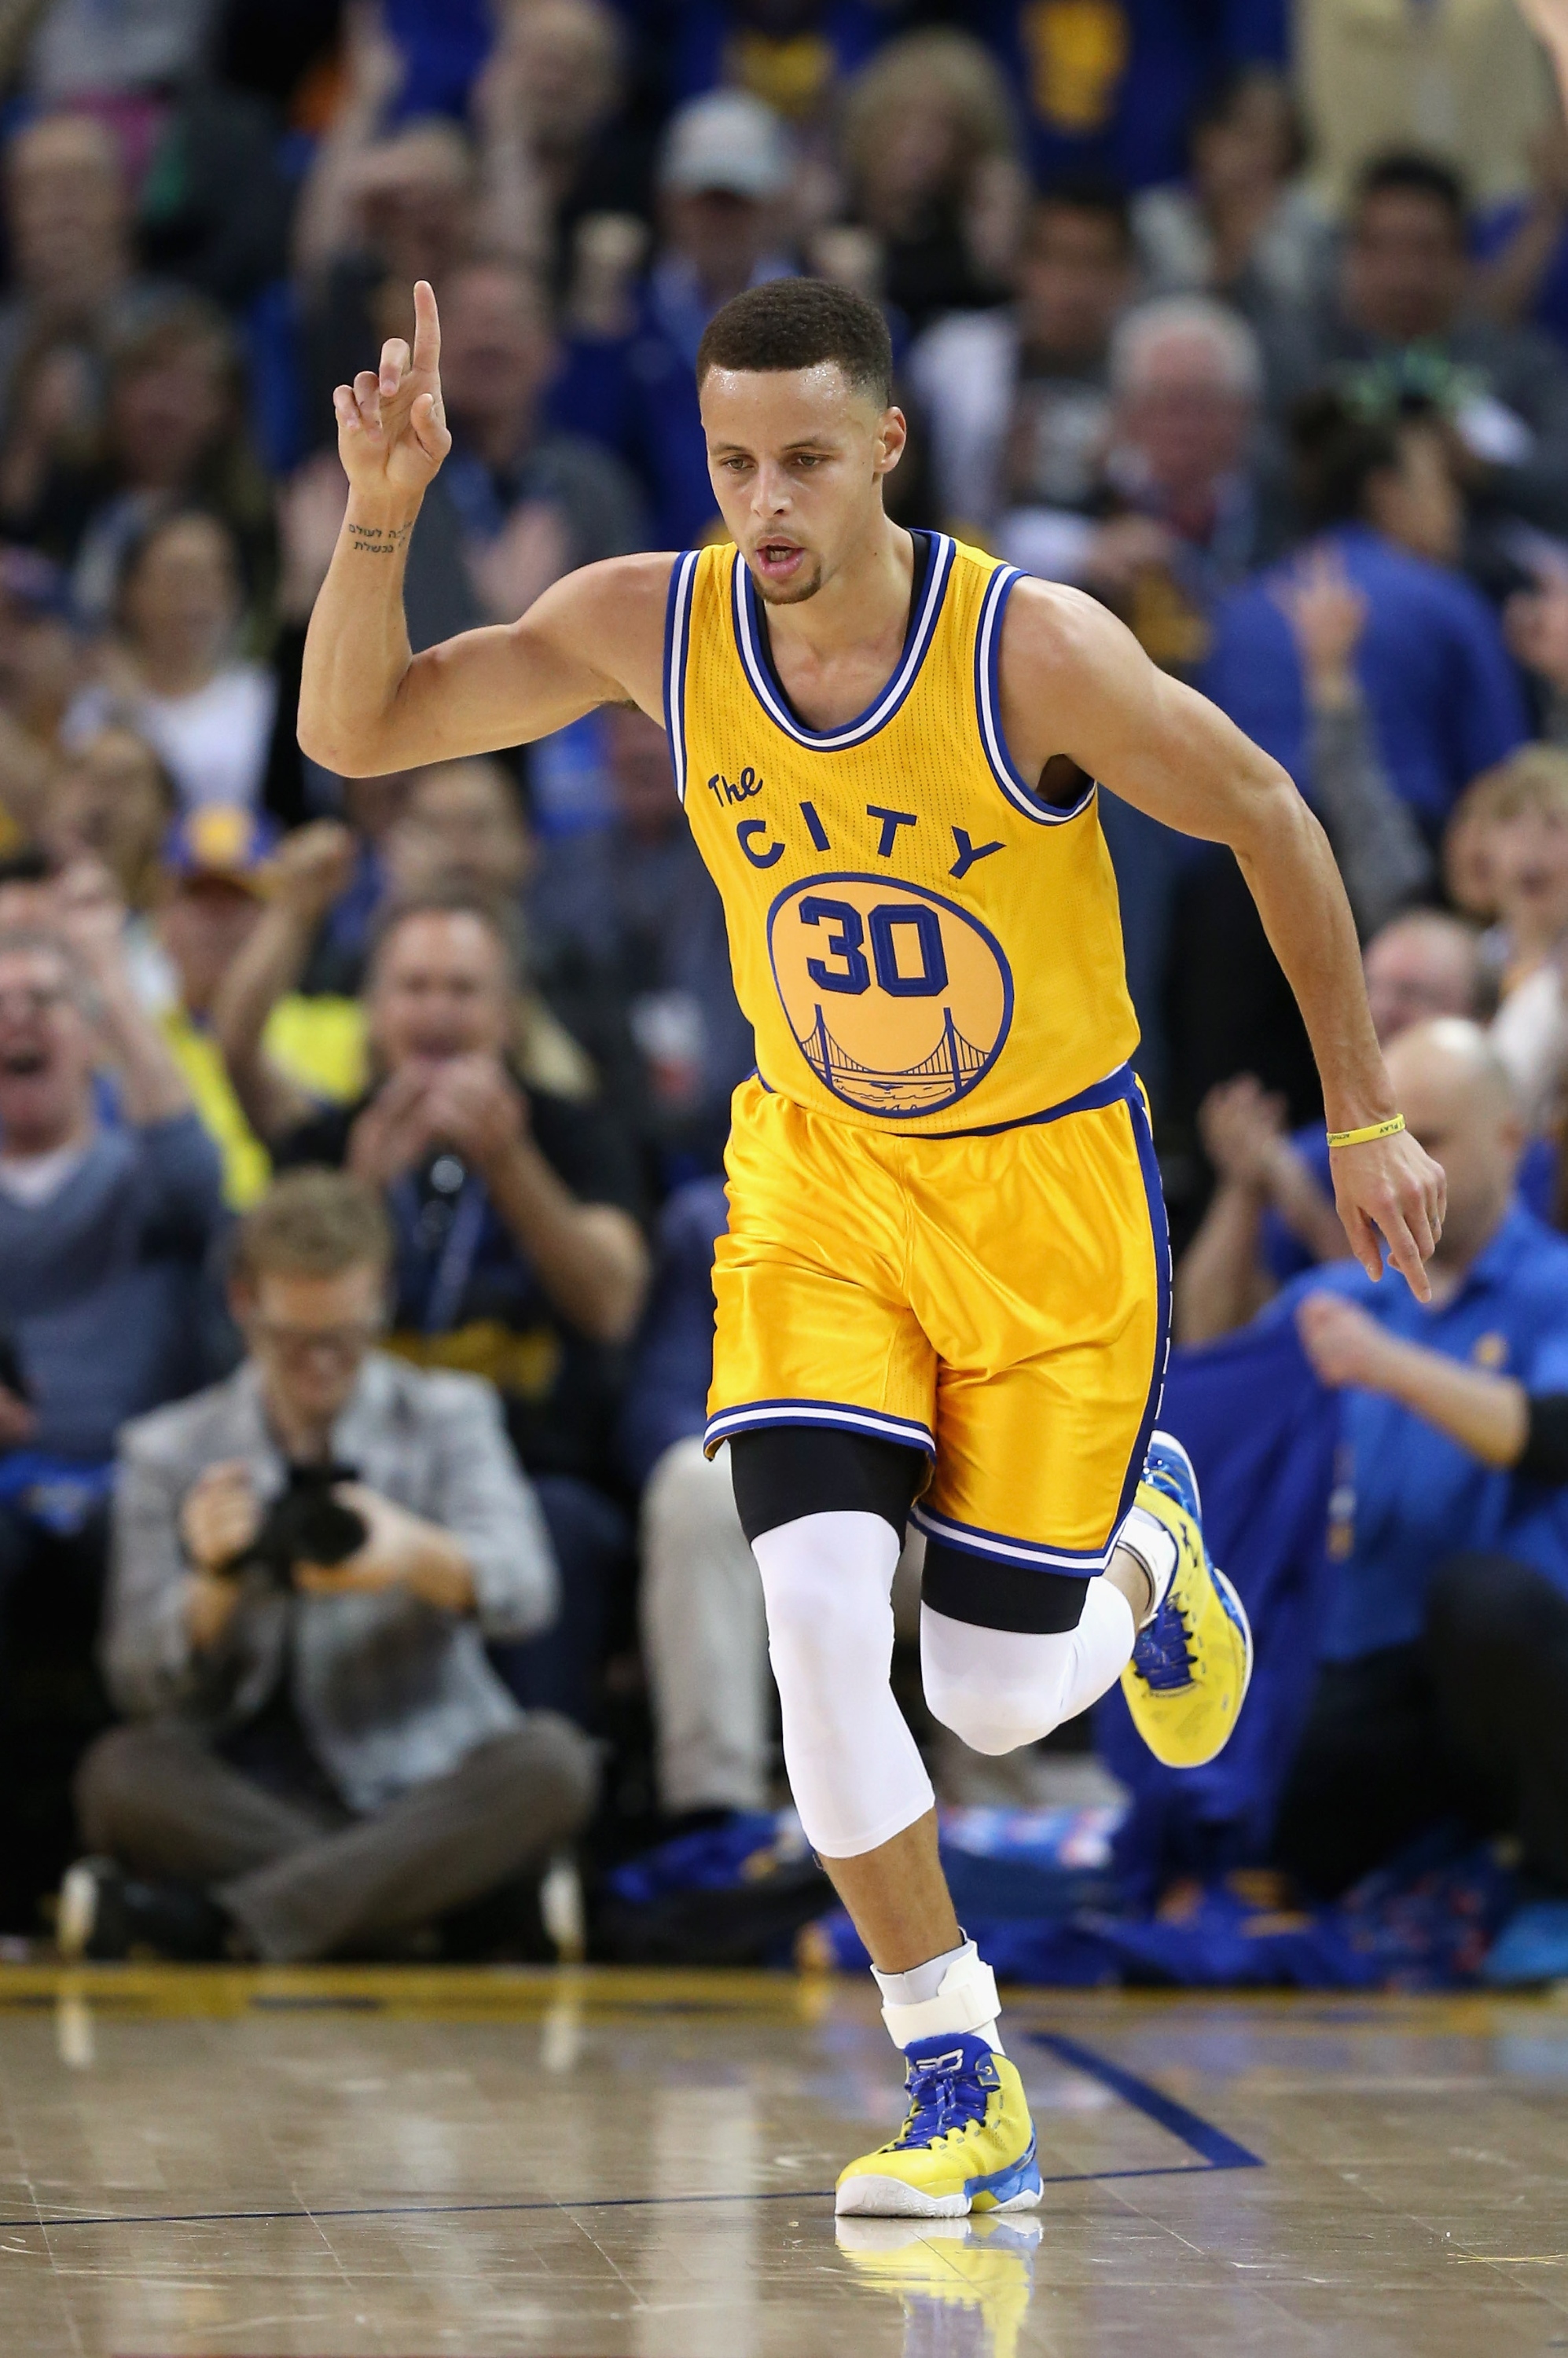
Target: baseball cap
[726, 141]
[223, 840]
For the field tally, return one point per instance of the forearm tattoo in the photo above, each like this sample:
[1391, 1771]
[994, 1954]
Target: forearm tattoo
[370, 540]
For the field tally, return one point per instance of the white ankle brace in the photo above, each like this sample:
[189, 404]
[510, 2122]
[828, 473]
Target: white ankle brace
[967, 2001]
[1144, 1536]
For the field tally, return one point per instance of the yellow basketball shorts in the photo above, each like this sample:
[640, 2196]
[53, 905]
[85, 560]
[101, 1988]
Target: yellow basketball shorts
[1001, 1301]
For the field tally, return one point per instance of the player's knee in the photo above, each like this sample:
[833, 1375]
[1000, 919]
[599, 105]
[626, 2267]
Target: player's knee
[996, 1689]
[987, 1720]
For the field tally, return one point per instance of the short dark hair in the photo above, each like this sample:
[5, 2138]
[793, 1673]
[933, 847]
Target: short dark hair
[1406, 172]
[1085, 192]
[799, 323]
[1338, 445]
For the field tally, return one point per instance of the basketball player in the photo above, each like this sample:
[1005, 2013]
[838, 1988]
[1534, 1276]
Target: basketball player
[943, 1295]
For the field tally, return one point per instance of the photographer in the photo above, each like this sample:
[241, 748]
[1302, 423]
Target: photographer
[308, 1560]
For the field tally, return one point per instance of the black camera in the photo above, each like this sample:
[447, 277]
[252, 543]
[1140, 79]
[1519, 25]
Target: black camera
[304, 1524]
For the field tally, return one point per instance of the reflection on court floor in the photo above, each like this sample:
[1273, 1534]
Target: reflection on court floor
[610, 2165]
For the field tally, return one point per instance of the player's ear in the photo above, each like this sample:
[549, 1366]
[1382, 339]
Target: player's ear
[892, 433]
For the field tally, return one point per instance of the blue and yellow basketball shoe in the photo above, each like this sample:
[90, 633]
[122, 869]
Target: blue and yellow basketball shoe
[1188, 1674]
[965, 2284]
[966, 2144]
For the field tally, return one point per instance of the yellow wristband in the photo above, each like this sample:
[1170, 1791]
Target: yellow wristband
[1389, 1128]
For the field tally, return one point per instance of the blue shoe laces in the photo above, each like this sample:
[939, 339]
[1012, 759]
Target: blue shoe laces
[1162, 1654]
[946, 2092]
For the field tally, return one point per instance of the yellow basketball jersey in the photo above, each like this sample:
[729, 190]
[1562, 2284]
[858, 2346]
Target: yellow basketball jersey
[917, 939]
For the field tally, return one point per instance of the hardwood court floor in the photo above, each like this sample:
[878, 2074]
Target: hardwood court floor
[613, 2165]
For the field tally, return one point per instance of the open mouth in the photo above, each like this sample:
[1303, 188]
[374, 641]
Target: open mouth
[779, 559]
[22, 1064]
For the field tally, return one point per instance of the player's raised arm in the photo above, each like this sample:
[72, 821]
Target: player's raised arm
[1076, 681]
[367, 704]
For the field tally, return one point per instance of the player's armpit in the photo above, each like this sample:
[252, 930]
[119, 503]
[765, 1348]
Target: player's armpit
[1076, 681]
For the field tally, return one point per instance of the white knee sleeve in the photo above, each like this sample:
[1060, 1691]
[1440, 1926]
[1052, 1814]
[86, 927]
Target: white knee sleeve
[853, 1765]
[1001, 1688]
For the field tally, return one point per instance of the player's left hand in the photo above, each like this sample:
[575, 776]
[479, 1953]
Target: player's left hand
[1392, 1186]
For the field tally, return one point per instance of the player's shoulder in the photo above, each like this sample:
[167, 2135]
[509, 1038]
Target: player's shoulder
[609, 617]
[629, 589]
[1052, 632]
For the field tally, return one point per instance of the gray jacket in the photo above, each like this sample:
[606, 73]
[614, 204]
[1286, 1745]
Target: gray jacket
[389, 1690]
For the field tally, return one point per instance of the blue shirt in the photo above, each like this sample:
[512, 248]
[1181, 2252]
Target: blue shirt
[1445, 698]
[1406, 1494]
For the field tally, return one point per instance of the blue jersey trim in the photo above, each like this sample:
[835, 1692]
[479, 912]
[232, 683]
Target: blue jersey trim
[678, 646]
[988, 705]
[970, 1538]
[755, 1416]
[923, 625]
[1116, 1088]
[1138, 1113]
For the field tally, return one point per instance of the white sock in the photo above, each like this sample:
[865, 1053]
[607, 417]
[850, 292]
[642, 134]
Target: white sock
[1144, 1536]
[941, 1997]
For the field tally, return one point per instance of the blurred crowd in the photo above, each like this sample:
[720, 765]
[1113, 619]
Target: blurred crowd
[376, 1126]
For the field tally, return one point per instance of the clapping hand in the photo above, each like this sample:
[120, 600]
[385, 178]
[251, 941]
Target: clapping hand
[1345, 1345]
[476, 1109]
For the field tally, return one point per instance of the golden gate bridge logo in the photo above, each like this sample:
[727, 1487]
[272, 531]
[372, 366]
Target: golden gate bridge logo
[952, 1068]
[899, 999]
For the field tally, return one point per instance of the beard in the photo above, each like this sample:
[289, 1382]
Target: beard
[805, 584]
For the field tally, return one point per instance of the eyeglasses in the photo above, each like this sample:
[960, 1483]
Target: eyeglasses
[345, 1342]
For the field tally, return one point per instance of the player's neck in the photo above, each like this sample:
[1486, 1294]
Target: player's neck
[864, 604]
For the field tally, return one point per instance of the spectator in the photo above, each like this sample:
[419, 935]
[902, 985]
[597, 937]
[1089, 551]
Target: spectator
[174, 673]
[322, 1757]
[519, 1255]
[704, 1637]
[1403, 323]
[628, 914]
[559, 158]
[114, 803]
[1243, 224]
[1382, 856]
[1189, 508]
[103, 1227]
[929, 151]
[40, 671]
[104, 1232]
[1372, 81]
[532, 503]
[1442, 699]
[73, 272]
[1522, 807]
[173, 435]
[724, 172]
[1271, 1215]
[1016, 402]
[1440, 1683]
[215, 872]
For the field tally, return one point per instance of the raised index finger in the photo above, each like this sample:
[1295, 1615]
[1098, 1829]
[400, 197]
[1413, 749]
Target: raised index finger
[426, 329]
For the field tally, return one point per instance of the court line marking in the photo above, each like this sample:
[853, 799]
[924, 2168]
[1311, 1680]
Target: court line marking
[592, 2202]
[1215, 2148]
[1218, 2150]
